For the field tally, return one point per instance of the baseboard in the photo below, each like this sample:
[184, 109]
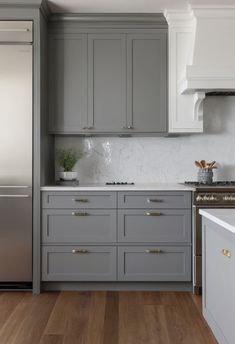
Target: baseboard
[117, 286]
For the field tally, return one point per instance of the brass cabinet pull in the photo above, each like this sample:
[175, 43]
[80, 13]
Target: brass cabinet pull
[80, 251]
[81, 200]
[153, 214]
[226, 253]
[77, 213]
[156, 251]
[150, 200]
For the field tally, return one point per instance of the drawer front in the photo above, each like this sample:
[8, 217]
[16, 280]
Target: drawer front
[87, 225]
[155, 200]
[74, 200]
[154, 263]
[162, 226]
[87, 263]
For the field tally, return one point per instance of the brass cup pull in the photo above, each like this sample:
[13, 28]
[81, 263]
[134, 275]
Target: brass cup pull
[80, 251]
[77, 213]
[81, 200]
[226, 253]
[153, 214]
[150, 200]
[156, 251]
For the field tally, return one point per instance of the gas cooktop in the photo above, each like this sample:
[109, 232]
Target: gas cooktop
[119, 183]
[217, 183]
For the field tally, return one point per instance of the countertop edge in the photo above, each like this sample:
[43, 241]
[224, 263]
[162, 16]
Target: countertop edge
[141, 187]
[216, 219]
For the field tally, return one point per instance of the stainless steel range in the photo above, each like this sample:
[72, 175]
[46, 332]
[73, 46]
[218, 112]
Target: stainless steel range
[216, 195]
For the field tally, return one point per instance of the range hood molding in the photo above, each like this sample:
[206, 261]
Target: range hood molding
[211, 61]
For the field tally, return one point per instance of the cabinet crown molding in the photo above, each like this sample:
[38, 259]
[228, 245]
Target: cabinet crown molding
[112, 18]
[35, 4]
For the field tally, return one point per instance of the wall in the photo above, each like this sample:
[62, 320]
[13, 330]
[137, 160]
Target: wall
[160, 159]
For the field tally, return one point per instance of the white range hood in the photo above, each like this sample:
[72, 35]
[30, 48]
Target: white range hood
[211, 59]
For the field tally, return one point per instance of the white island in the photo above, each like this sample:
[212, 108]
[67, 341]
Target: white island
[218, 253]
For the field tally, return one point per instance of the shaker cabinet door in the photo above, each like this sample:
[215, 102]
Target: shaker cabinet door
[106, 82]
[146, 82]
[67, 82]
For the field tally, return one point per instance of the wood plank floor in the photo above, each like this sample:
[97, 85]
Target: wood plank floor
[102, 318]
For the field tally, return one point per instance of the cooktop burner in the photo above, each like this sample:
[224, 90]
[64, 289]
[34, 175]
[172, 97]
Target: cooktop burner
[218, 183]
[119, 183]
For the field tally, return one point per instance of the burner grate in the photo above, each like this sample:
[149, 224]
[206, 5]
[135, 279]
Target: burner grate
[217, 183]
[119, 183]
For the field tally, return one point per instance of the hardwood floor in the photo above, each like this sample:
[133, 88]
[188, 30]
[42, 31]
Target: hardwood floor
[102, 318]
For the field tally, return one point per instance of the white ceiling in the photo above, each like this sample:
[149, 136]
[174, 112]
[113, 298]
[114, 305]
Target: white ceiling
[125, 6]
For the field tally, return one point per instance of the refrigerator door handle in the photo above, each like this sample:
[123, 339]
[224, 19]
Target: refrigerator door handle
[14, 196]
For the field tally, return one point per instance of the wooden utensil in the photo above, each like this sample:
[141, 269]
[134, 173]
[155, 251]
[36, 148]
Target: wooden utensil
[203, 163]
[198, 164]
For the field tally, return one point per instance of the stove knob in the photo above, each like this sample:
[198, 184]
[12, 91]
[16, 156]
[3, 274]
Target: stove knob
[225, 198]
[212, 198]
[206, 198]
[199, 198]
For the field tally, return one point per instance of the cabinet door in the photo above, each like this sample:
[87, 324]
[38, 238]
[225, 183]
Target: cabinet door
[106, 82]
[146, 82]
[68, 82]
[219, 281]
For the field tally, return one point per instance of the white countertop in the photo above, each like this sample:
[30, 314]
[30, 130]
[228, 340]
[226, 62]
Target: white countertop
[136, 187]
[222, 217]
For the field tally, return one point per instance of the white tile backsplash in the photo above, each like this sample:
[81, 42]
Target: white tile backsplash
[161, 159]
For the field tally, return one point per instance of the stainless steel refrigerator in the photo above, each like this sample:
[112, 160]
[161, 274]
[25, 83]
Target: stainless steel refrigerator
[16, 140]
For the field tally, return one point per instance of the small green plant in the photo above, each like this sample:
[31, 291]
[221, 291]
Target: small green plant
[67, 158]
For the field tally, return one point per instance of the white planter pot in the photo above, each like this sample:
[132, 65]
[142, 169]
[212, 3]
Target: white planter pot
[68, 175]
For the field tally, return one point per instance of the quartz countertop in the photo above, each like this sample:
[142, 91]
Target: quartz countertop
[136, 187]
[222, 217]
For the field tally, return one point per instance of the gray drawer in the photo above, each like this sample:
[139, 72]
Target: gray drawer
[158, 199]
[93, 200]
[89, 263]
[162, 226]
[70, 226]
[139, 264]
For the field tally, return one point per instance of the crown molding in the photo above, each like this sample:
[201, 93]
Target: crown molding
[30, 4]
[112, 18]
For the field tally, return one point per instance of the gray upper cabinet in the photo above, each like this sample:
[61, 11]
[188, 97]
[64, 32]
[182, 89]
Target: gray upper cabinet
[146, 82]
[106, 82]
[67, 82]
[109, 81]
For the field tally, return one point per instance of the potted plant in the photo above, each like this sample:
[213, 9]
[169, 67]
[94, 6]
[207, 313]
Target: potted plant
[67, 158]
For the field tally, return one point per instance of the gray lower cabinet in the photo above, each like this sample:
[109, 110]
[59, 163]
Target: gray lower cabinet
[219, 281]
[67, 82]
[154, 263]
[109, 236]
[162, 226]
[82, 226]
[106, 82]
[78, 263]
[146, 82]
